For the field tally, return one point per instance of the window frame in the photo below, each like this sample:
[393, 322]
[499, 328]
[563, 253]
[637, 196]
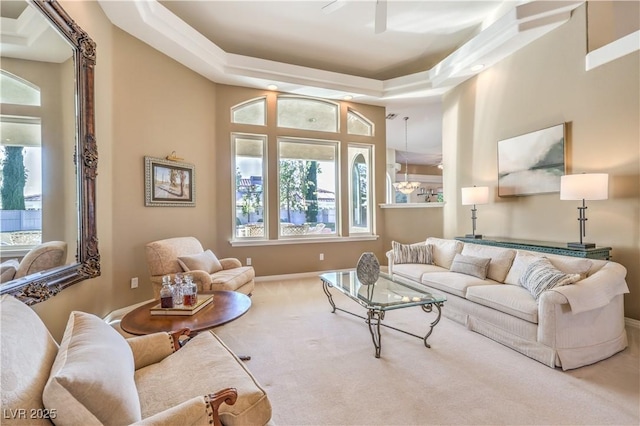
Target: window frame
[369, 160]
[265, 184]
[336, 144]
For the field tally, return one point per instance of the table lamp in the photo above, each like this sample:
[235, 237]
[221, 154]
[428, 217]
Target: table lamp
[584, 186]
[472, 196]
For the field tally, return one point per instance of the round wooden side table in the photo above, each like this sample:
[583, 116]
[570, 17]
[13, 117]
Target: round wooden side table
[226, 306]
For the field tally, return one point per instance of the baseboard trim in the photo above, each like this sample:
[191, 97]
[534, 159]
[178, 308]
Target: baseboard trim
[632, 323]
[300, 275]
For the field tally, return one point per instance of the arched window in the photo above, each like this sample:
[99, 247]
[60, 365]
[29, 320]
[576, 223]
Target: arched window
[308, 114]
[250, 112]
[360, 200]
[358, 125]
[17, 91]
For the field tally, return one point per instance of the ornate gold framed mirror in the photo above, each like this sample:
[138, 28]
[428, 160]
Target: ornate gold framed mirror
[78, 146]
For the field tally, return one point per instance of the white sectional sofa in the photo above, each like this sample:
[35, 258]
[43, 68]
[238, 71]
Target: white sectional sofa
[576, 323]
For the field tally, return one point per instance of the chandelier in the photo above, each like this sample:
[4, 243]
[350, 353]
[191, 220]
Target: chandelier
[406, 187]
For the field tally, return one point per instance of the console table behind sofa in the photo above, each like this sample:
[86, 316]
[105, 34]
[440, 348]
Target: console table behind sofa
[541, 246]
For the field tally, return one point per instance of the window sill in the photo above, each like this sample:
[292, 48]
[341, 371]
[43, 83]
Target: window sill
[410, 205]
[351, 239]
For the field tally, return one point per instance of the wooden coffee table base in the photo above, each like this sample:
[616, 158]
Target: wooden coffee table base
[226, 307]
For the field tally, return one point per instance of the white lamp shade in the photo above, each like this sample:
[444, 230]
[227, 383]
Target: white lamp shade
[475, 195]
[584, 186]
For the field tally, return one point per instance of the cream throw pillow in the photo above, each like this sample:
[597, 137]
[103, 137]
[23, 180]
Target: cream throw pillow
[412, 253]
[541, 275]
[501, 259]
[470, 265]
[205, 261]
[444, 250]
[92, 378]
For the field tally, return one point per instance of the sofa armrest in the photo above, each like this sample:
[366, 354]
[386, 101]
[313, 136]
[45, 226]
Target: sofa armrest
[230, 263]
[389, 255]
[597, 290]
[151, 348]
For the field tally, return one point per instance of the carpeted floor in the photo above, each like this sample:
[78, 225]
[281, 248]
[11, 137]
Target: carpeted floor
[319, 369]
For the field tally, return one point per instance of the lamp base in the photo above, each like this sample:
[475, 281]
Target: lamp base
[581, 245]
[475, 236]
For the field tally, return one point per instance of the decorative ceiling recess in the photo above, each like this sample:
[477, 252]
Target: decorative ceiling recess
[155, 25]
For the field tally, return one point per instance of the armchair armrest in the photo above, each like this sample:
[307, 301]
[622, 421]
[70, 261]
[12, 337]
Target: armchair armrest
[195, 411]
[153, 348]
[230, 263]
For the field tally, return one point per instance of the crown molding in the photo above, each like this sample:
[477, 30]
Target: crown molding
[155, 25]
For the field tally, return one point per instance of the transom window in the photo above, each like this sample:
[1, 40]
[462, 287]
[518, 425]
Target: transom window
[250, 112]
[307, 114]
[358, 125]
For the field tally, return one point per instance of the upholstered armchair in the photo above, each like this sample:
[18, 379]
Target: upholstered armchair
[186, 255]
[45, 256]
[96, 376]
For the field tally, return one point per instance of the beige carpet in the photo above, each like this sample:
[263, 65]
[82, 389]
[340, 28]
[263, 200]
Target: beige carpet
[319, 369]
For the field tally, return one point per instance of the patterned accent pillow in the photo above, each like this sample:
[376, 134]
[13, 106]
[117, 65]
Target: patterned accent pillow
[205, 261]
[541, 275]
[412, 253]
[471, 265]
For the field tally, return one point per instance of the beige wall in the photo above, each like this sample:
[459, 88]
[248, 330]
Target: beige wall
[542, 85]
[610, 20]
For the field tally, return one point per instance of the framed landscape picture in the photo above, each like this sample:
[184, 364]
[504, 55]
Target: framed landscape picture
[168, 183]
[532, 163]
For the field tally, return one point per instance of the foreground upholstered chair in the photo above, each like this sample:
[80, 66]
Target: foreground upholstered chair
[45, 256]
[186, 254]
[96, 376]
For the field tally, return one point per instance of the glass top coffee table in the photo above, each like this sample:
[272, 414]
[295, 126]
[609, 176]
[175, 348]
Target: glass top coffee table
[386, 294]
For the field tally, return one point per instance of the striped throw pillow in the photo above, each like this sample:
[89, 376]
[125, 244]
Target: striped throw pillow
[410, 253]
[541, 275]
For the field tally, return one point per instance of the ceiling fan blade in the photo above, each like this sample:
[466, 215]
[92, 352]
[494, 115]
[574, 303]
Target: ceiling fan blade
[381, 16]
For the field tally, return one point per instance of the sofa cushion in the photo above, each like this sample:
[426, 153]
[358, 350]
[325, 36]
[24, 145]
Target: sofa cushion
[541, 275]
[27, 353]
[453, 282]
[470, 265]
[415, 271]
[520, 264]
[412, 253]
[444, 250]
[232, 279]
[572, 266]
[510, 299]
[92, 378]
[167, 383]
[501, 259]
[205, 261]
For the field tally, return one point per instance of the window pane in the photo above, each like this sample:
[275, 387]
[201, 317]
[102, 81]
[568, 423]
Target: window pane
[307, 188]
[15, 90]
[252, 112]
[249, 186]
[21, 201]
[307, 114]
[358, 125]
[360, 201]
